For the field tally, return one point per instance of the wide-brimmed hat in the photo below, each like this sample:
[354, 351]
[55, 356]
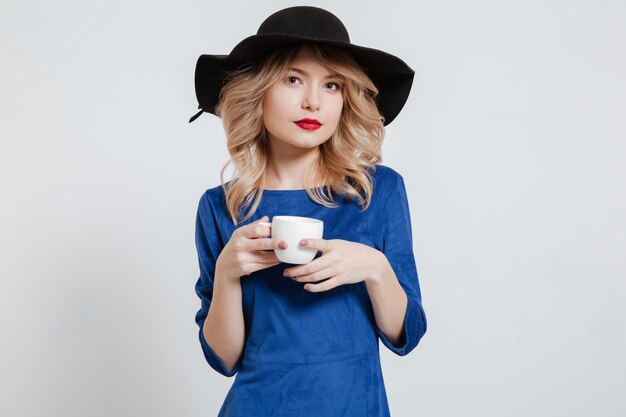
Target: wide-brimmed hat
[293, 25]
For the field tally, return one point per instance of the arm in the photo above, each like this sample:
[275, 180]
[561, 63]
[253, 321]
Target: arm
[224, 327]
[221, 314]
[221, 319]
[389, 302]
[394, 287]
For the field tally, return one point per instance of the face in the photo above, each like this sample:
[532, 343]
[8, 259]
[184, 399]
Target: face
[307, 91]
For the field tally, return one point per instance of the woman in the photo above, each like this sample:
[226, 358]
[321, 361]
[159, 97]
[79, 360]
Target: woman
[304, 113]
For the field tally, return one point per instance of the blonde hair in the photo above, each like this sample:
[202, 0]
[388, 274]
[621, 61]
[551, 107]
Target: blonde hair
[343, 160]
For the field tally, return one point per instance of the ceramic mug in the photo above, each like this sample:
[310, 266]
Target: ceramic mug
[292, 229]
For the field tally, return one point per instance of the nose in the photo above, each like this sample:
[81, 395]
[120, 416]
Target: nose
[311, 99]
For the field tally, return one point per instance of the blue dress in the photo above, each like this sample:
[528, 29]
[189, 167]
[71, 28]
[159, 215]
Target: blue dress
[312, 354]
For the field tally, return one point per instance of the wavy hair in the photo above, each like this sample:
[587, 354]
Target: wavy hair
[344, 161]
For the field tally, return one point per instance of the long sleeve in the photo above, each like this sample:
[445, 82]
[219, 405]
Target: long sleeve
[398, 248]
[209, 246]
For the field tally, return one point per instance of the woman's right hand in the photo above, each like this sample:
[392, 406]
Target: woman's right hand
[248, 250]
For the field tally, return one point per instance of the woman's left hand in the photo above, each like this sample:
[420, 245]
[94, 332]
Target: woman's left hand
[342, 262]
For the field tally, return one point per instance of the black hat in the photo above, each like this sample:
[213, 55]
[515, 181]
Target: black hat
[293, 25]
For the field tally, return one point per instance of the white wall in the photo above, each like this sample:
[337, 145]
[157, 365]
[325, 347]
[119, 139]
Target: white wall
[512, 145]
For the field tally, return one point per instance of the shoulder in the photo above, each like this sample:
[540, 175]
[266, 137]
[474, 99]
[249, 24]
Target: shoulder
[212, 200]
[385, 172]
[214, 194]
[386, 179]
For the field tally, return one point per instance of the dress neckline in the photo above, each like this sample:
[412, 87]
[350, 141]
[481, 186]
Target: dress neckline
[303, 190]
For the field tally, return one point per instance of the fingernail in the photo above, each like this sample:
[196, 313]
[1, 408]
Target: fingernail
[282, 245]
[286, 273]
[303, 243]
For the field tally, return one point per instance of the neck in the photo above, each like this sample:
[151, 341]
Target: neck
[286, 168]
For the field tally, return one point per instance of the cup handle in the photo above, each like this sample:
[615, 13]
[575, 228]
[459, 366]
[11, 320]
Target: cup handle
[265, 224]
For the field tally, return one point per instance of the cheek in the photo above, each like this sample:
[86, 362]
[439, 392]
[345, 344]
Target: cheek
[268, 104]
[337, 111]
[278, 103]
[270, 110]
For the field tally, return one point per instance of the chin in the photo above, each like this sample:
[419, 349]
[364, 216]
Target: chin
[306, 145]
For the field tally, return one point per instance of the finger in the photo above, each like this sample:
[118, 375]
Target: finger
[266, 257]
[315, 276]
[255, 230]
[257, 266]
[315, 265]
[319, 244]
[263, 265]
[264, 243]
[329, 284]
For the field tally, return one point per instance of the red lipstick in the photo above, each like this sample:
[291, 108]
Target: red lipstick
[309, 124]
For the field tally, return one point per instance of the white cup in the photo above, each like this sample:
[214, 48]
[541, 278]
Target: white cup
[292, 229]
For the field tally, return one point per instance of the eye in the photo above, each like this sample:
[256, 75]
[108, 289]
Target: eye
[333, 86]
[292, 80]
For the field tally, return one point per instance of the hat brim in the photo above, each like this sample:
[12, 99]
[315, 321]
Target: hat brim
[392, 76]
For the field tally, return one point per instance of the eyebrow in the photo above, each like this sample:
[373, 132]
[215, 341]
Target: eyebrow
[303, 72]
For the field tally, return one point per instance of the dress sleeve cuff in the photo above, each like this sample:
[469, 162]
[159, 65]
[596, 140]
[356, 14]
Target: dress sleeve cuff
[414, 329]
[214, 360]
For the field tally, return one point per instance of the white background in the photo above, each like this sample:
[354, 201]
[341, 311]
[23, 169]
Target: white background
[512, 146]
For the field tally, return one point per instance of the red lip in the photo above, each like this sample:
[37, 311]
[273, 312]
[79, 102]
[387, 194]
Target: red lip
[310, 121]
[309, 124]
